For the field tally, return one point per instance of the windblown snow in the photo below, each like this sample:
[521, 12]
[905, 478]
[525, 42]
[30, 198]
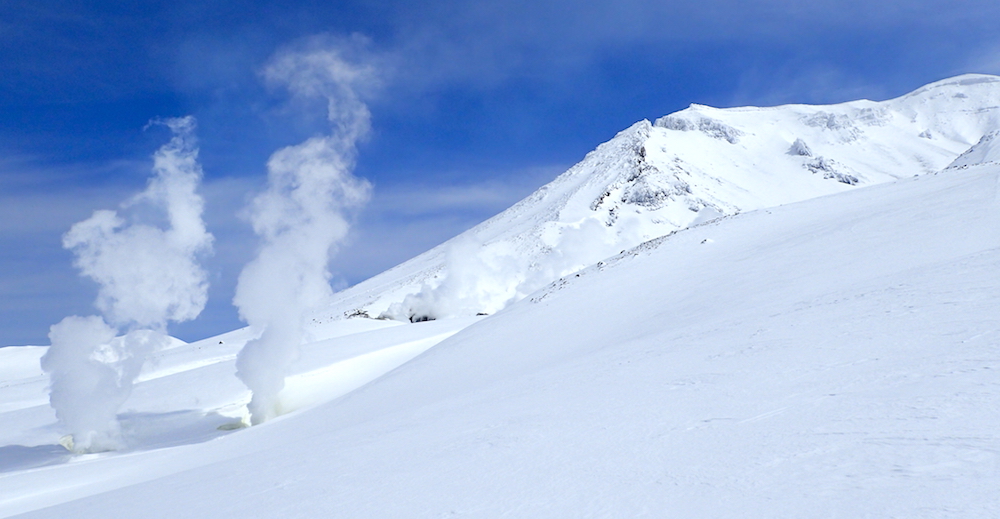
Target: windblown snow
[768, 312]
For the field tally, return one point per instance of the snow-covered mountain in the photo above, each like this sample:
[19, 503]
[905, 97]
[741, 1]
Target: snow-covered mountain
[986, 151]
[836, 356]
[680, 170]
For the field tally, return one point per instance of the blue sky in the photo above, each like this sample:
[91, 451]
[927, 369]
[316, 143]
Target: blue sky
[479, 104]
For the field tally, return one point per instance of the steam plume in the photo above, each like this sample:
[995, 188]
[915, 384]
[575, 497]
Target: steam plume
[146, 264]
[485, 278]
[300, 219]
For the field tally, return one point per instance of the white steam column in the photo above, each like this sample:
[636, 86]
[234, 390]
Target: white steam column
[300, 219]
[148, 275]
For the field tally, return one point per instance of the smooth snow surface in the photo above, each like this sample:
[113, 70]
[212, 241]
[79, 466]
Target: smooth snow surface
[834, 357]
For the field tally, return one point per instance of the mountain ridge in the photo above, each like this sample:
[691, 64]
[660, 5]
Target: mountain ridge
[831, 356]
[683, 168]
[835, 355]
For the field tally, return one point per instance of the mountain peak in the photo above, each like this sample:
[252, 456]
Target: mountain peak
[958, 82]
[986, 151]
[684, 169]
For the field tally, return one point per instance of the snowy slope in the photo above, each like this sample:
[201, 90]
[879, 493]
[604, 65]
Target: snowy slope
[186, 392]
[987, 150]
[831, 358]
[682, 169]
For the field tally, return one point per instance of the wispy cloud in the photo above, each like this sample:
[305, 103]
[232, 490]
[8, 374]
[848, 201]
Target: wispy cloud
[38, 204]
[986, 61]
[493, 193]
[815, 83]
[489, 42]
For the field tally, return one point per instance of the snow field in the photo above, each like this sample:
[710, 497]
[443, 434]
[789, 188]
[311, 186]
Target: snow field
[831, 358]
[189, 394]
[834, 357]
